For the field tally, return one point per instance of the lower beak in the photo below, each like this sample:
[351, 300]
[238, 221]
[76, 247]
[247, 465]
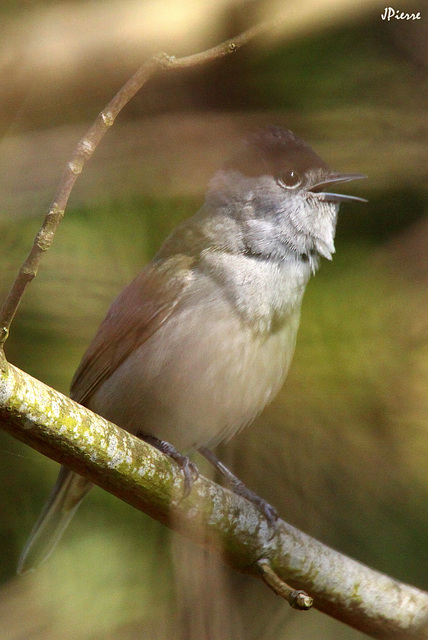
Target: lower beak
[332, 179]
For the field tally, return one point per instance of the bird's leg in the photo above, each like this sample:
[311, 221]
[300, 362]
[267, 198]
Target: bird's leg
[238, 487]
[189, 469]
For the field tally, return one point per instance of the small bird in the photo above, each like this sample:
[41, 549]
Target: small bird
[200, 342]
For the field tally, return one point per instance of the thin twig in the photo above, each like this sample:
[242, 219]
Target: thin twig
[297, 598]
[86, 147]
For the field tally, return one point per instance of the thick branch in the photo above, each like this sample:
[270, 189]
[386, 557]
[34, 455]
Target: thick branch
[211, 515]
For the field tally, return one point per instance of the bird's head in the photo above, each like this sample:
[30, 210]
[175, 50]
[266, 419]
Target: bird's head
[278, 190]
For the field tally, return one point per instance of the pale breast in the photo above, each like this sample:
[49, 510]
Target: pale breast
[202, 376]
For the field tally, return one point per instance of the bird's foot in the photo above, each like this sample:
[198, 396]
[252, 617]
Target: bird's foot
[238, 487]
[189, 469]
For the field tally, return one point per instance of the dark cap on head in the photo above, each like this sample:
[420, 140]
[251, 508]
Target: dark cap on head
[273, 151]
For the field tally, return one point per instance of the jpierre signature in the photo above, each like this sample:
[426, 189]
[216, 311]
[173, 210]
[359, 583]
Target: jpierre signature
[390, 13]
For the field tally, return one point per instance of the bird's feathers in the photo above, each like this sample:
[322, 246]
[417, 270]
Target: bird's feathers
[66, 495]
[139, 310]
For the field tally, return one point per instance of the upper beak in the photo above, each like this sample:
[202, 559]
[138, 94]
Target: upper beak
[332, 179]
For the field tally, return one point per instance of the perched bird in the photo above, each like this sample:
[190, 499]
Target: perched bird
[195, 347]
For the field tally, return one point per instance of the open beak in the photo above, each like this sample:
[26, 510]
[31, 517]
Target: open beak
[332, 179]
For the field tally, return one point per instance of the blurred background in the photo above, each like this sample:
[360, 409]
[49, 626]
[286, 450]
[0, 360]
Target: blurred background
[342, 451]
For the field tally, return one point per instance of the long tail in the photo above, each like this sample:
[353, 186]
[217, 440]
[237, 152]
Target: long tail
[66, 495]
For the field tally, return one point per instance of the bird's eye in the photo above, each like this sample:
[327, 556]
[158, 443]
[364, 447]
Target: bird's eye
[289, 179]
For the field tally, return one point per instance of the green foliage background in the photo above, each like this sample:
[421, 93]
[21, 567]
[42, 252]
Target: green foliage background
[342, 451]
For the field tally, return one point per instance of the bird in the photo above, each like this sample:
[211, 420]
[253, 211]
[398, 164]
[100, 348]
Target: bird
[195, 347]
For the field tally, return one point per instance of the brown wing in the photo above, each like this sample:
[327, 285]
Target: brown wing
[138, 311]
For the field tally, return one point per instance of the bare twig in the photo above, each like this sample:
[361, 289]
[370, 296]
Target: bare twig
[296, 598]
[140, 475]
[86, 147]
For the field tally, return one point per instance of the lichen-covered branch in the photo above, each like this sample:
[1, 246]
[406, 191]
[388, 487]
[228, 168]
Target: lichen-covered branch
[140, 475]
